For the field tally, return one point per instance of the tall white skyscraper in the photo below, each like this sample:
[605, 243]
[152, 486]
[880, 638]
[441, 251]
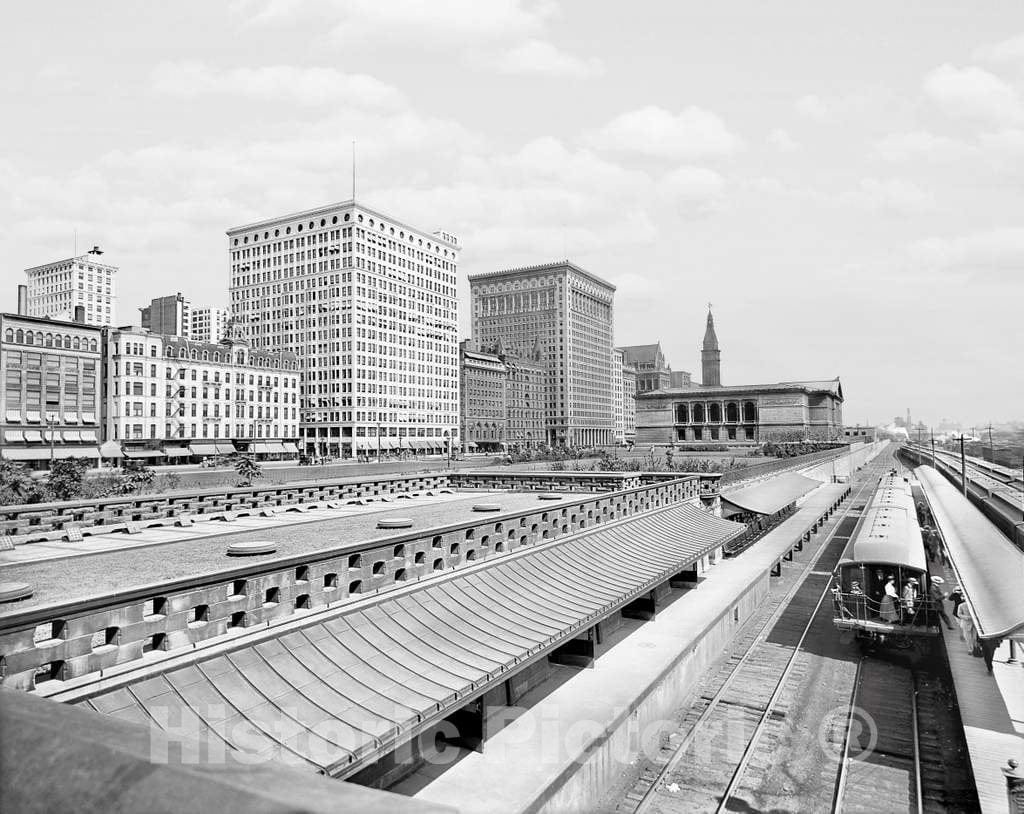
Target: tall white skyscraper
[369, 305]
[55, 289]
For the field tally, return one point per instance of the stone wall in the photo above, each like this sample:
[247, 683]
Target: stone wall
[43, 647]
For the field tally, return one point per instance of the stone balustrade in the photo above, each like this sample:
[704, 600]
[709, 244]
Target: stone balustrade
[47, 646]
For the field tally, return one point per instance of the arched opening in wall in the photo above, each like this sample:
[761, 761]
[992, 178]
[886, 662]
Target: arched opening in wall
[399, 551]
[330, 582]
[158, 641]
[698, 413]
[421, 558]
[436, 542]
[355, 587]
[400, 575]
[51, 671]
[438, 565]
[471, 554]
[732, 413]
[682, 414]
[749, 411]
[715, 413]
[378, 568]
[355, 561]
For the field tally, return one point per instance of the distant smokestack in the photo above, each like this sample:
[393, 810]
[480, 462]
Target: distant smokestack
[80, 314]
[23, 300]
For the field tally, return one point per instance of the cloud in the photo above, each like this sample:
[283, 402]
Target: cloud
[994, 251]
[921, 145]
[305, 86]
[507, 36]
[783, 141]
[813, 108]
[973, 93]
[542, 58]
[1010, 50]
[692, 191]
[652, 131]
[891, 195]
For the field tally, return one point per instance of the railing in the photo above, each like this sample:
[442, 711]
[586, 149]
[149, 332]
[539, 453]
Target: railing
[851, 606]
[67, 640]
[781, 465]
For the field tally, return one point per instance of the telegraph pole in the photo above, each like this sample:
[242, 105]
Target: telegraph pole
[963, 465]
[991, 447]
[932, 433]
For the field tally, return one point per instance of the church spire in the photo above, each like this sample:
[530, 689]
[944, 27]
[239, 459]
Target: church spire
[711, 355]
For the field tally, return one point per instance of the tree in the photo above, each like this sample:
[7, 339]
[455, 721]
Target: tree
[66, 478]
[247, 469]
[17, 484]
[136, 477]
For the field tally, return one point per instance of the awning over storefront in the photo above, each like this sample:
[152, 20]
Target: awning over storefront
[409, 658]
[290, 448]
[110, 449]
[772, 495]
[14, 436]
[361, 444]
[142, 453]
[88, 418]
[74, 436]
[14, 415]
[203, 449]
[25, 453]
[33, 436]
[52, 435]
[77, 452]
[471, 445]
[277, 448]
[71, 418]
[417, 443]
[89, 436]
[177, 452]
[259, 448]
[33, 417]
[226, 449]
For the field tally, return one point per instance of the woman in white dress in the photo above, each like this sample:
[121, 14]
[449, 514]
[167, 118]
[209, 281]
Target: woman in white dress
[890, 601]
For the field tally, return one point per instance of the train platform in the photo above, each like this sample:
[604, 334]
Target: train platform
[990, 572]
[568, 746]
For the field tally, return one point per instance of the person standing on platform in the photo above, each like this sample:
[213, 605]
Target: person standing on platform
[957, 598]
[928, 538]
[938, 597]
[909, 596]
[889, 612]
[963, 613]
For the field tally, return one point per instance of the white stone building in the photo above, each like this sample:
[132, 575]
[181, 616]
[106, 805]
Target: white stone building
[167, 396]
[369, 306]
[55, 289]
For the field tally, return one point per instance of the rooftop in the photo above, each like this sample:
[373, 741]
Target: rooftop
[334, 207]
[180, 553]
[62, 323]
[557, 265]
[810, 386]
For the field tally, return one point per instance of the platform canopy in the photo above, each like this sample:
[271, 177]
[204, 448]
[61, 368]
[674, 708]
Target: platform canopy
[771, 495]
[989, 567]
[328, 694]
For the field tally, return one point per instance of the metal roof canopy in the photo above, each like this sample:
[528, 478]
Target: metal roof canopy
[375, 674]
[888, 533]
[989, 567]
[772, 495]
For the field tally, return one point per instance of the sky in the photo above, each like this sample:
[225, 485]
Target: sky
[842, 181]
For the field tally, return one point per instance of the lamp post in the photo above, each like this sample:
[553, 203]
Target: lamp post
[448, 447]
[51, 421]
[378, 442]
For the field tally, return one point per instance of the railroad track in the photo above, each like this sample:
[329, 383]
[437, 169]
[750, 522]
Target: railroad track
[727, 736]
[893, 750]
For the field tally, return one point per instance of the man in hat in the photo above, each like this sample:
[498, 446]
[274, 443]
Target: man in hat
[909, 597]
[938, 597]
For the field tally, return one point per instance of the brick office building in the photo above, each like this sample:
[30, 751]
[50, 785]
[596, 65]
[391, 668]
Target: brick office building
[567, 313]
[50, 402]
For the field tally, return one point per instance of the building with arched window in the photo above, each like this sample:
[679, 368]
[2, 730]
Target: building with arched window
[50, 404]
[717, 413]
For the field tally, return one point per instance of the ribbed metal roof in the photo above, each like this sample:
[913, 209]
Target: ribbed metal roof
[889, 533]
[344, 687]
[771, 495]
[990, 568]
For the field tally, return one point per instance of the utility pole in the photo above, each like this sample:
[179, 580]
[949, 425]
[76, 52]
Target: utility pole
[963, 465]
[932, 433]
[51, 422]
[991, 447]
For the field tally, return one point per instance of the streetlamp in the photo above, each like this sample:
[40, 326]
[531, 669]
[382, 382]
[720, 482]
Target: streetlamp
[448, 447]
[51, 421]
[378, 442]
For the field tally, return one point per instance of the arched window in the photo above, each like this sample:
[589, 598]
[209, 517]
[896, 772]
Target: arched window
[749, 411]
[698, 413]
[714, 413]
[732, 412]
[682, 414]
[30, 338]
[76, 344]
[67, 342]
[9, 335]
